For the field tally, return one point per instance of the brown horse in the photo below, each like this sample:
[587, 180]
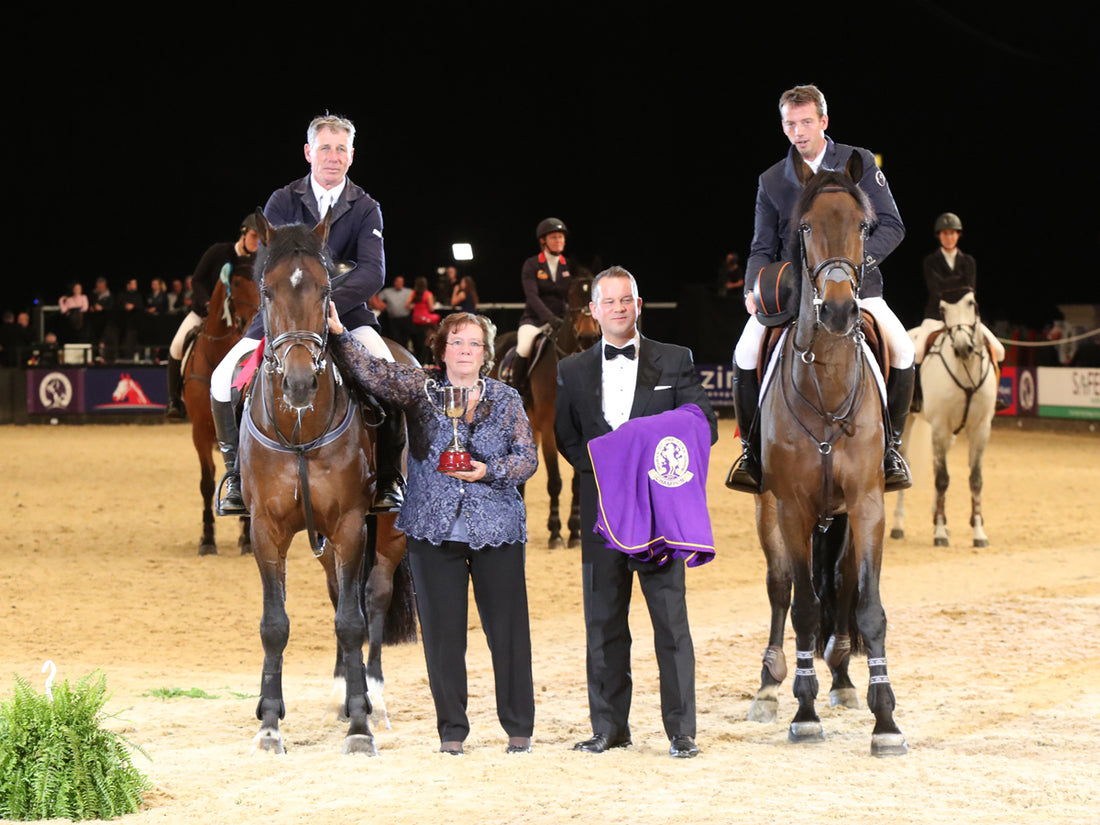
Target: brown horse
[821, 517]
[232, 307]
[579, 332]
[308, 463]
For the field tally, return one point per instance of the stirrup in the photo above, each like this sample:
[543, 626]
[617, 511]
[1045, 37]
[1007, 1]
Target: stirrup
[390, 498]
[897, 476]
[230, 504]
[741, 479]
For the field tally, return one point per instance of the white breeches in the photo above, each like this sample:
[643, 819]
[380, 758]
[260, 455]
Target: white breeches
[221, 382]
[525, 338]
[190, 322]
[929, 325]
[747, 352]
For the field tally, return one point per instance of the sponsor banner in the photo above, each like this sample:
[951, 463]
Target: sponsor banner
[1069, 392]
[125, 389]
[717, 381]
[55, 391]
[1018, 391]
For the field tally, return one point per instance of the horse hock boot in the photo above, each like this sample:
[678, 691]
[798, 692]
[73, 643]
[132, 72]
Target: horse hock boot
[747, 474]
[230, 502]
[899, 398]
[174, 410]
[391, 447]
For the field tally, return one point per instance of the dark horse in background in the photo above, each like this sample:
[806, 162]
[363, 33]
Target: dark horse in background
[308, 462]
[579, 331]
[232, 307]
[821, 518]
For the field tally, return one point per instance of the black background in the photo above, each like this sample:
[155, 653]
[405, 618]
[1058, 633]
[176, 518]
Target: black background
[137, 143]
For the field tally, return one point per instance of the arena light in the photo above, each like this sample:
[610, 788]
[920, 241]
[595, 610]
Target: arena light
[462, 251]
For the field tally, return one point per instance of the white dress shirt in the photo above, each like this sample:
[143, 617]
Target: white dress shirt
[620, 378]
[326, 198]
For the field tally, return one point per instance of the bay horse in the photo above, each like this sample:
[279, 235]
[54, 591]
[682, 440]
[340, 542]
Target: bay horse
[960, 395]
[821, 517]
[579, 331]
[232, 307]
[308, 462]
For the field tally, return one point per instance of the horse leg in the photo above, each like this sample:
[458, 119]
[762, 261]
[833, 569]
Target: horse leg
[941, 443]
[976, 442]
[245, 540]
[886, 739]
[385, 550]
[345, 548]
[765, 704]
[805, 612]
[274, 632]
[207, 545]
[553, 489]
[836, 544]
[575, 514]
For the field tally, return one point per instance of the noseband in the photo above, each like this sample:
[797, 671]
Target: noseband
[835, 268]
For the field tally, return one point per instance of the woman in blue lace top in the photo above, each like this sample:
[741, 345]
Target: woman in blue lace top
[463, 525]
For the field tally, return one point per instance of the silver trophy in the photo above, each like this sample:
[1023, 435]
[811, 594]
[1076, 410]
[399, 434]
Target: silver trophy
[452, 401]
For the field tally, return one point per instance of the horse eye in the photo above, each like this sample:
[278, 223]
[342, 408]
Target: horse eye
[804, 228]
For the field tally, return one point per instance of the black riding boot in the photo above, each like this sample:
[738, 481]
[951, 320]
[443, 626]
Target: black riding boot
[747, 475]
[918, 392]
[230, 502]
[391, 447]
[899, 396]
[519, 373]
[174, 410]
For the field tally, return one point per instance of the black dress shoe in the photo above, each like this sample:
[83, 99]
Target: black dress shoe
[683, 747]
[519, 744]
[600, 743]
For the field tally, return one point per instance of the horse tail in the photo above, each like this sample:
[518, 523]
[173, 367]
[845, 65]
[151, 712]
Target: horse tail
[833, 566]
[399, 625]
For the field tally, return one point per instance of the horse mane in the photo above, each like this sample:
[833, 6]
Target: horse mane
[289, 241]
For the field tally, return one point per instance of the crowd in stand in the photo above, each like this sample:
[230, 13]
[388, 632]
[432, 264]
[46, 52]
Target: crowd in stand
[116, 325]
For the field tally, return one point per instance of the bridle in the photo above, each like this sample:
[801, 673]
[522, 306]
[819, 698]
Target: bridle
[985, 364]
[316, 344]
[835, 268]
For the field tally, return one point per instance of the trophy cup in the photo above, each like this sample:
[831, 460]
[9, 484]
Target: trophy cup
[452, 403]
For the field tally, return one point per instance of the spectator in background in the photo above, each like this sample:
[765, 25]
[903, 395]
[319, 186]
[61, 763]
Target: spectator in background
[464, 295]
[396, 317]
[74, 307]
[157, 301]
[132, 306]
[448, 280]
[175, 296]
[424, 318]
[103, 323]
[16, 338]
[731, 278]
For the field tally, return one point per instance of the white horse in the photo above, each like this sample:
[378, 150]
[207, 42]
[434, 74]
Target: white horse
[960, 393]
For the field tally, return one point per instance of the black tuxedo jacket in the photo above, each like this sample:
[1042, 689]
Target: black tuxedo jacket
[666, 380]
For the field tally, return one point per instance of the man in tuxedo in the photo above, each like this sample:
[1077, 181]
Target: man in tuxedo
[625, 376]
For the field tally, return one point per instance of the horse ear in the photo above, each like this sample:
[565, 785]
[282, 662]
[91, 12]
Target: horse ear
[803, 172]
[263, 228]
[321, 229]
[854, 169]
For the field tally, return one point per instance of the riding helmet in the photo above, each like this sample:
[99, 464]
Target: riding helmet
[250, 222]
[948, 220]
[548, 225]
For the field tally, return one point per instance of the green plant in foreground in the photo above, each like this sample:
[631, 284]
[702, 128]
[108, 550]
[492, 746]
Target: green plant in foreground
[56, 760]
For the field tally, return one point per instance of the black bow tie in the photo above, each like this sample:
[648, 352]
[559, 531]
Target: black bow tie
[610, 352]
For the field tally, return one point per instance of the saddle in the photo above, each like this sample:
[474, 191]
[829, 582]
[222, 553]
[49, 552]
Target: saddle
[508, 361]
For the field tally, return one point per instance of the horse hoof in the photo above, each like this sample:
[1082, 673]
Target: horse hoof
[555, 543]
[888, 744]
[268, 740]
[844, 697]
[941, 543]
[897, 533]
[805, 733]
[763, 710]
[208, 549]
[574, 543]
[981, 542]
[360, 743]
[246, 549]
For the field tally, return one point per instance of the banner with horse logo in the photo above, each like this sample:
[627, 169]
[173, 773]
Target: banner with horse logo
[125, 389]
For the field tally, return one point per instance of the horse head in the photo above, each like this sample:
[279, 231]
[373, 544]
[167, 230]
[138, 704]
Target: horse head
[960, 318]
[123, 388]
[295, 293]
[832, 219]
[585, 328]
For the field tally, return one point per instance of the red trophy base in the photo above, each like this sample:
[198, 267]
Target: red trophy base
[454, 462]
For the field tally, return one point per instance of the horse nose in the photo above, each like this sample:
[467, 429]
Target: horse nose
[838, 316]
[299, 389]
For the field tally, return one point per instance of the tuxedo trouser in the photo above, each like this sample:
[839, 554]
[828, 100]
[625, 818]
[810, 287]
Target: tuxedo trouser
[608, 579]
[442, 575]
